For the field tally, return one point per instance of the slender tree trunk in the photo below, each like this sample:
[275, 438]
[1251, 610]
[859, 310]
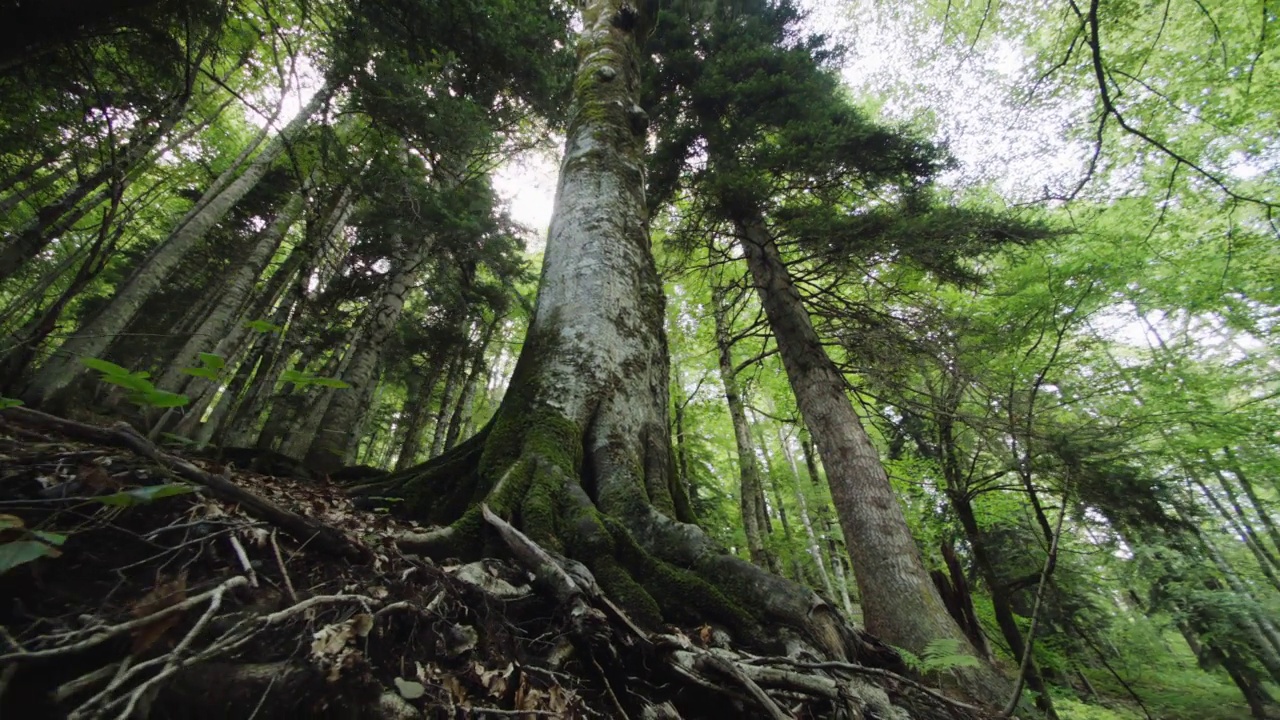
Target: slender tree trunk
[462, 411]
[17, 196]
[815, 548]
[750, 495]
[1239, 525]
[1262, 511]
[332, 441]
[456, 368]
[94, 336]
[771, 480]
[421, 387]
[301, 432]
[218, 332]
[899, 600]
[834, 556]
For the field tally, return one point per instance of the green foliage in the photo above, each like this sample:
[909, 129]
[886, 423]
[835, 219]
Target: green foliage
[137, 385]
[21, 545]
[303, 379]
[210, 367]
[144, 495]
[941, 655]
[8, 402]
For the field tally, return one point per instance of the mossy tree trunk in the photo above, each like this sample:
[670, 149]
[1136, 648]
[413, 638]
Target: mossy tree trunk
[578, 454]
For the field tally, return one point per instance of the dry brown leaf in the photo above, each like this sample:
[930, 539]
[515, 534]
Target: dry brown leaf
[163, 595]
[95, 478]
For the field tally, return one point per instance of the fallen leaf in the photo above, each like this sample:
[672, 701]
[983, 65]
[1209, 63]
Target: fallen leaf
[410, 689]
[163, 595]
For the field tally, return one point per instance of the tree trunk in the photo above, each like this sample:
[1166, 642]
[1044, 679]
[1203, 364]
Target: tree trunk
[451, 382]
[462, 410]
[750, 494]
[219, 333]
[94, 336]
[899, 601]
[815, 548]
[421, 386]
[772, 482]
[578, 454]
[332, 441]
[1258, 507]
[834, 556]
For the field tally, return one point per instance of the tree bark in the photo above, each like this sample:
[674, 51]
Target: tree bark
[217, 333]
[750, 495]
[331, 443]
[462, 410]
[94, 336]
[899, 601]
[578, 454]
[421, 386]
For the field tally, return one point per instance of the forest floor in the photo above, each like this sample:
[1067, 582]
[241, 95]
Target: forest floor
[143, 582]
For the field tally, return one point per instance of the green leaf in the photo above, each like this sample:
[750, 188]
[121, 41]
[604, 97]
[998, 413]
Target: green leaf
[143, 495]
[11, 522]
[104, 366]
[8, 402]
[20, 552]
[293, 376]
[263, 326]
[213, 361]
[50, 537]
[164, 399]
[136, 383]
[201, 372]
[330, 383]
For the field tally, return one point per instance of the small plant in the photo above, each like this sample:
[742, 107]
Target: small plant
[263, 326]
[211, 366]
[24, 545]
[941, 655]
[137, 385]
[8, 402]
[304, 379]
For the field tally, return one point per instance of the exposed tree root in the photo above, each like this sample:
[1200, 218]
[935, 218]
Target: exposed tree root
[258, 630]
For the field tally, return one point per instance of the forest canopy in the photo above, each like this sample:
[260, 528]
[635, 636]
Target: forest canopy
[879, 359]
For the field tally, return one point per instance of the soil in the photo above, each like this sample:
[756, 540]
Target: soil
[156, 596]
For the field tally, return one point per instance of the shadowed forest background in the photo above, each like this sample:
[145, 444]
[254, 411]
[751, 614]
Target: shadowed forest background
[881, 359]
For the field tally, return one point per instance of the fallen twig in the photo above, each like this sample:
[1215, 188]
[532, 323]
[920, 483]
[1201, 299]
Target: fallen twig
[122, 435]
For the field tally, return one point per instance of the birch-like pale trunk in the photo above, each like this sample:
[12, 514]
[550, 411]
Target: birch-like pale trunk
[96, 334]
[462, 410]
[802, 504]
[301, 432]
[418, 410]
[750, 495]
[447, 399]
[900, 603]
[218, 332]
[834, 556]
[333, 438]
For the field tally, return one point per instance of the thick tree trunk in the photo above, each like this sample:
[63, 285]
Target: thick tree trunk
[900, 603]
[750, 495]
[94, 336]
[578, 455]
